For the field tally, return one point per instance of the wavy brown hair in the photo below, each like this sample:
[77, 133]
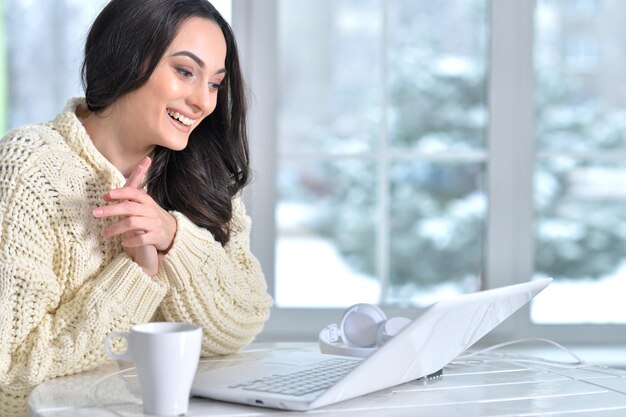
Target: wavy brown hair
[124, 46]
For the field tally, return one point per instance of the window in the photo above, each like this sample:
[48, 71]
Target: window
[45, 41]
[398, 141]
[3, 76]
[580, 177]
[380, 151]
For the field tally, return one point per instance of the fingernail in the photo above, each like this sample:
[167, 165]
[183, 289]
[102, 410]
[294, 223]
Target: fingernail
[97, 212]
[112, 193]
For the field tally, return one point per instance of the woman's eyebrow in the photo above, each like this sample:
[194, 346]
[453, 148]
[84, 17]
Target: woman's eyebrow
[192, 56]
[197, 59]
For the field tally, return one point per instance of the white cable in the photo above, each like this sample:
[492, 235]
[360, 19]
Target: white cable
[469, 357]
[538, 361]
[513, 342]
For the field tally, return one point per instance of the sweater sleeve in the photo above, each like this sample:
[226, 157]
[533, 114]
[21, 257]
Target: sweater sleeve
[220, 288]
[44, 334]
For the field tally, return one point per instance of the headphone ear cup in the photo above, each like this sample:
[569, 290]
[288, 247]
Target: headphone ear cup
[360, 323]
[390, 328]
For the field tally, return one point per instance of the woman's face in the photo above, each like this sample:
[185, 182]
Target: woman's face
[181, 91]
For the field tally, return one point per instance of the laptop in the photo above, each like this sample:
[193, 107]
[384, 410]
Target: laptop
[307, 380]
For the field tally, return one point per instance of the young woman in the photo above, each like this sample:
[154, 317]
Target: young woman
[126, 207]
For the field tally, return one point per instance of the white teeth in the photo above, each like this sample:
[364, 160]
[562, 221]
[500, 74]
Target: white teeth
[183, 119]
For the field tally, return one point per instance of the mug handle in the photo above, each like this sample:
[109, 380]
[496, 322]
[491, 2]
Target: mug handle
[107, 346]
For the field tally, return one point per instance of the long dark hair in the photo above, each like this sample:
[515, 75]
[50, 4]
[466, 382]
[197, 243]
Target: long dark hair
[124, 46]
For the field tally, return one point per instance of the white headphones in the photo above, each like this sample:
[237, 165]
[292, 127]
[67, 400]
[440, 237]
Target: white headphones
[363, 328]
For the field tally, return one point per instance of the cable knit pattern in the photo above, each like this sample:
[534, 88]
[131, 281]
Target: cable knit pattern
[63, 287]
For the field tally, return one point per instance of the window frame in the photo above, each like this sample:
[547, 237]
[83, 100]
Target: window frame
[510, 170]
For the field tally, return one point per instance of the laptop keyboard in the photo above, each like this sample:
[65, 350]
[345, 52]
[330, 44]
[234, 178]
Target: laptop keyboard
[321, 376]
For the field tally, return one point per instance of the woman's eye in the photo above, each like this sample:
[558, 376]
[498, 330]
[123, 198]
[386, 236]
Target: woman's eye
[215, 86]
[184, 72]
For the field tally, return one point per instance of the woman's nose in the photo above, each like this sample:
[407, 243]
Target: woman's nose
[202, 99]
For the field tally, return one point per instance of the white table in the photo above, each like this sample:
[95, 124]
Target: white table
[489, 389]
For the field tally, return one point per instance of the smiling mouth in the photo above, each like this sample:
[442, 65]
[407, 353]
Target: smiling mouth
[184, 120]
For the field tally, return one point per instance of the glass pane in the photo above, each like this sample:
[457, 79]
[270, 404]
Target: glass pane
[326, 219]
[581, 240]
[330, 75]
[580, 56]
[437, 230]
[437, 60]
[44, 41]
[345, 68]
[579, 193]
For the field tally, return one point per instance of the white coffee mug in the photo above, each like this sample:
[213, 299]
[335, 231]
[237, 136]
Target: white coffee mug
[166, 357]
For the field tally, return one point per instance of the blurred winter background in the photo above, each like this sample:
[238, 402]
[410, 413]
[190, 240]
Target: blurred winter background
[382, 150]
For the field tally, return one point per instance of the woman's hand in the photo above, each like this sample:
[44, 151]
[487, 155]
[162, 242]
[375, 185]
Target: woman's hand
[140, 214]
[146, 227]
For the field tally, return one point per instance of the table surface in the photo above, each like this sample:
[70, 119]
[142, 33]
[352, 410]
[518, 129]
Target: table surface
[502, 387]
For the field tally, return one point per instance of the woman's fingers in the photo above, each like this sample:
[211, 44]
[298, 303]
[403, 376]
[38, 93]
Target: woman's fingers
[127, 193]
[159, 226]
[143, 239]
[134, 207]
[129, 224]
[136, 177]
[139, 213]
[136, 239]
[125, 208]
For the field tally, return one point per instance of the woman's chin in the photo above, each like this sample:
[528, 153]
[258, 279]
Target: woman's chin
[175, 143]
[176, 146]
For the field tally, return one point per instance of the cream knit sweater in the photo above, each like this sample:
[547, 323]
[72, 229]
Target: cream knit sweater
[63, 287]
